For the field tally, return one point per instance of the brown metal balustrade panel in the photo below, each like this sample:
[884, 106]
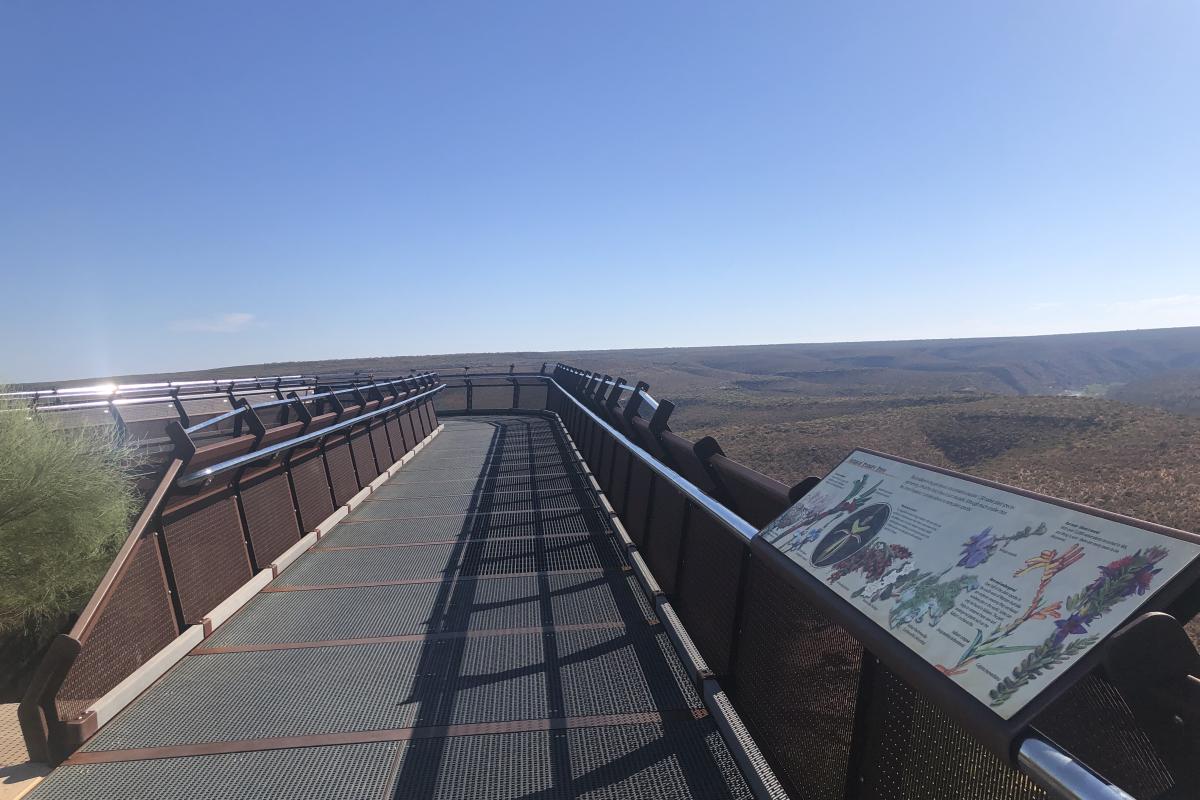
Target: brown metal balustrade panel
[664, 535]
[341, 470]
[395, 437]
[364, 456]
[1093, 723]
[134, 625]
[915, 750]
[208, 553]
[803, 724]
[707, 589]
[382, 447]
[312, 489]
[270, 515]
[499, 650]
[637, 507]
[408, 426]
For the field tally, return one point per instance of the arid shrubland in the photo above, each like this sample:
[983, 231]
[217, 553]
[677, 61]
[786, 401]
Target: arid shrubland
[66, 498]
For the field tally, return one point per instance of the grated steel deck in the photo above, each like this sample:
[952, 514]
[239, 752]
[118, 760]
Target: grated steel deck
[469, 631]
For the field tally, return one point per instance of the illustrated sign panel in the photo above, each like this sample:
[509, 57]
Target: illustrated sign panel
[998, 591]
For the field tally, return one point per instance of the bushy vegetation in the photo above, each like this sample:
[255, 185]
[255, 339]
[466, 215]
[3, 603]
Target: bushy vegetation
[66, 498]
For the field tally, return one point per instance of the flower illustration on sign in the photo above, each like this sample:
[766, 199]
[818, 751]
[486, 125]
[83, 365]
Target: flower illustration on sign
[983, 545]
[815, 511]
[872, 561]
[1051, 563]
[926, 594]
[1118, 580]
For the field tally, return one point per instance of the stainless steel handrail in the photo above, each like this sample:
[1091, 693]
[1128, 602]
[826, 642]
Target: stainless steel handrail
[1063, 776]
[691, 490]
[105, 392]
[199, 476]
[108, 389]
[646, 396]
[1050, 767]
[199, 426]
[164, 399]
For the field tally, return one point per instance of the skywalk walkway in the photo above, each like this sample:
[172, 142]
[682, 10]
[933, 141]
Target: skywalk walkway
[471, 630]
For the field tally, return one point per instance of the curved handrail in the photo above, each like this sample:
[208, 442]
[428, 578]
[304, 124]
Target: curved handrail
[1045, 763]
[201, 475]
[237, 412]
[38, 714]
[99, 395]
[693, 492]
[624, 387]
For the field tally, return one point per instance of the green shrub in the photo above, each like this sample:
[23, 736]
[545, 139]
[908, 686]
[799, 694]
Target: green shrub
[66, 499]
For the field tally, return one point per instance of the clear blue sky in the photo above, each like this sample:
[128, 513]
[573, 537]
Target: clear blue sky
[187, 185]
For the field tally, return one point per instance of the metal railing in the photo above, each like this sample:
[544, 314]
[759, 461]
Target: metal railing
[690, 520]
[782, 652]
[332, 396]
[275, 451]
[1053, 769]
[164, 391]
[222, 498]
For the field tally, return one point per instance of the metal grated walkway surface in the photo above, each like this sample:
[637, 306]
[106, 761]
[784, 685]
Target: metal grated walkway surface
[469, 631]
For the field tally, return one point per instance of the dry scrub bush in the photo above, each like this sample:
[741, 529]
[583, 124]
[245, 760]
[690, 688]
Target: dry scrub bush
[66, 498]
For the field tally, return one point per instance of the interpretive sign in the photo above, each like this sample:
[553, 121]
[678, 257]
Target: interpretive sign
[996, 589]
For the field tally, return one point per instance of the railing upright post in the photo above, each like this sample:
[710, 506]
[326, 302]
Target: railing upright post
[119, 421]
[301, 412]
[635, 402]
[184, 420]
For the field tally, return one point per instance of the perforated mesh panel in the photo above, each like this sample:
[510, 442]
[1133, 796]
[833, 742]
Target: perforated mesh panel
[618, 492]
[395, 438]
[707, 590]
[417, 420]
[364, 457]
[208, 554]
[1093, 723]
[383, 450]
[312, 490]
[341, 471]
[406, 441]
[917, 752]
[602, 468]
[452, 398]
[661, 543]
[270, 516]
[493, 396]
[638, 503]
[533, 396]
[137, 622]
[803, 724]
[421, 419]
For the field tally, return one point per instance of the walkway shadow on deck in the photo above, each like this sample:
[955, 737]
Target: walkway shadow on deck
[442, 673]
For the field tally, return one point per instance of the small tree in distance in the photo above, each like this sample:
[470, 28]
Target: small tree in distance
[66, 499]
